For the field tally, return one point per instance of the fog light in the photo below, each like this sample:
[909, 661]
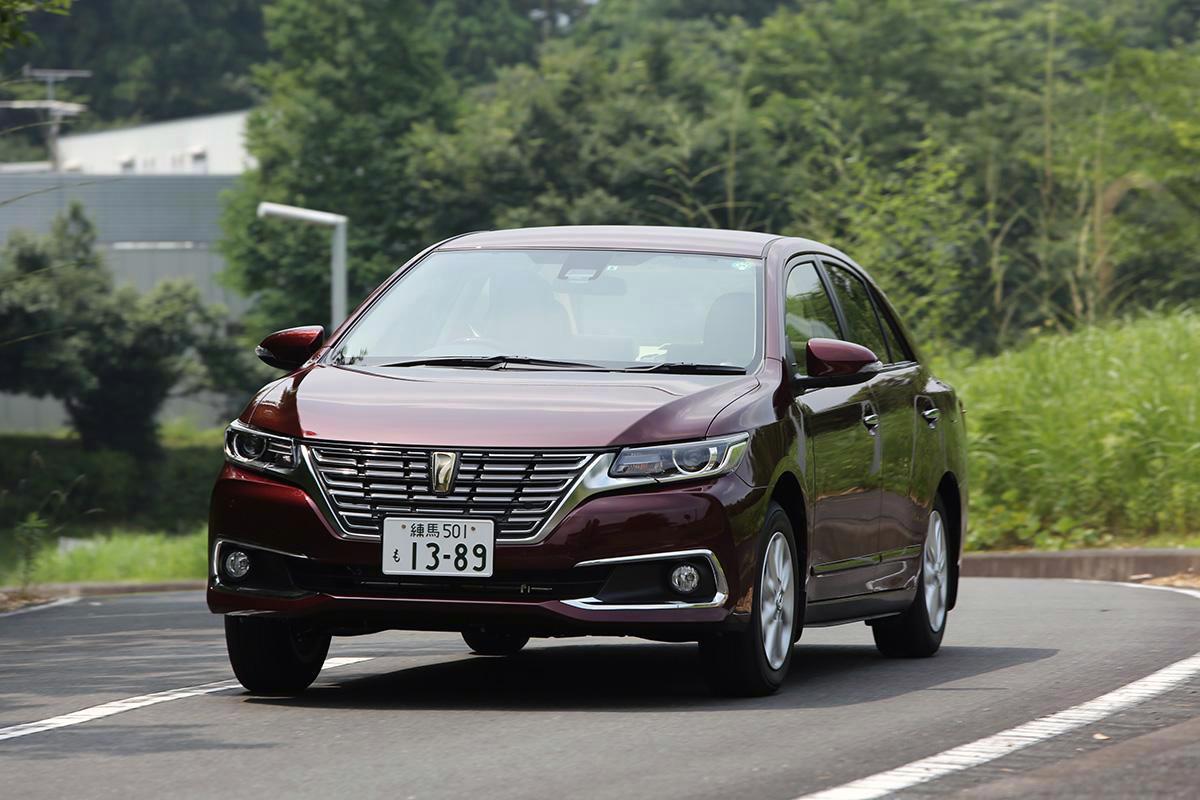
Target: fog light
[685, 579]
[237, 564]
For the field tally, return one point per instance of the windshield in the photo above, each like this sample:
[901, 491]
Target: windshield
[615, 309]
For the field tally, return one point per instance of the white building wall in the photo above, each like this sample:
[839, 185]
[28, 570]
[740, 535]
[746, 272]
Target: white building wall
[208, 145]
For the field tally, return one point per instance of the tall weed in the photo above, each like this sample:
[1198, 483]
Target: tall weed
[1087, 439]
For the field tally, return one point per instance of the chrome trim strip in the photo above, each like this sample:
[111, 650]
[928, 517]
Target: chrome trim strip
[870, 560]
[900, 552]
[217, 547]
[307, 480]
[846, 563]
[591, 481]
[718, 599]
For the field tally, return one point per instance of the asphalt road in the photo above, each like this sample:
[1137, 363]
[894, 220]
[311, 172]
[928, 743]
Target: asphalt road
[603, 718]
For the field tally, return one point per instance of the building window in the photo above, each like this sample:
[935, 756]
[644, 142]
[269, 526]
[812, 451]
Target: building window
[199, 161]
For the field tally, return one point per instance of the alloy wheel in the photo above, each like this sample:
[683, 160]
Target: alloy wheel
[935, 572]
[777, 606]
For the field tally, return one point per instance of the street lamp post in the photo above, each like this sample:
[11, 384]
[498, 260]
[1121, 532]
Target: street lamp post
[337, 264]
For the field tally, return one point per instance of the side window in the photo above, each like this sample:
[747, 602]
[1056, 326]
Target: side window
[895, 340]
[808, 313]
[860, 315]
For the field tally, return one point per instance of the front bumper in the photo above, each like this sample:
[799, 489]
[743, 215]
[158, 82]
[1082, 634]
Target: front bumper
[562, 585]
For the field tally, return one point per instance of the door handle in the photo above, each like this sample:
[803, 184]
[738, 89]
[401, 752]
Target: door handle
[931, 415]
[870, 419]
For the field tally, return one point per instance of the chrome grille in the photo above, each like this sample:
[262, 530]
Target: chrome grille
[518, 489]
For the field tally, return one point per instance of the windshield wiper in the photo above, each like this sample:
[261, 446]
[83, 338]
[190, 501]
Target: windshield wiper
[495, 362]
[688, 368]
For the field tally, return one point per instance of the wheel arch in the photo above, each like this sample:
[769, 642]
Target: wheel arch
[789, 495]
[949, 492]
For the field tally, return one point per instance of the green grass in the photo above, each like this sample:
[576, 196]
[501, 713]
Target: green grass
[119, 556]
[1087, 439]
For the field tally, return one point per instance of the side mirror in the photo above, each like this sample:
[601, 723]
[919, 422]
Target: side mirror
[290, 348]
[832, 362]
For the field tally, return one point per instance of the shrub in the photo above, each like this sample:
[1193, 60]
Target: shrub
[111, 487]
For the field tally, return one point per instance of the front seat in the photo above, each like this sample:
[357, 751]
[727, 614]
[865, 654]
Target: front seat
[524, 316]
[729, 329]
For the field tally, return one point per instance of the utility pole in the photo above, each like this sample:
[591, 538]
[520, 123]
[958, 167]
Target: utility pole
[55, 109]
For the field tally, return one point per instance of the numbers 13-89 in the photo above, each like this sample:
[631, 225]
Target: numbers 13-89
[431, 555]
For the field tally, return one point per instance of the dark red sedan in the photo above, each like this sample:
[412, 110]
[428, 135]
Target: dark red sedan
[678, 434]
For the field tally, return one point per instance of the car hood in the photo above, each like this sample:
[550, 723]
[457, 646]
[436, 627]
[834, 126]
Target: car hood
[446, 407]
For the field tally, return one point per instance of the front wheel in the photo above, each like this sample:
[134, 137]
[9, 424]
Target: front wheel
[274, 656]
[755, 661]
[485, 642]
[917, 633]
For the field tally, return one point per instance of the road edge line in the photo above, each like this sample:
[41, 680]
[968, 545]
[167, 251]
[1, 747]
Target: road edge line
[140, 701]
[990, 748]
[62, 601]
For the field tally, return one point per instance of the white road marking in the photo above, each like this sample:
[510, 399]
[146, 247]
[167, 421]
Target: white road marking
[989, 748]
[141, 701]
[62, 601]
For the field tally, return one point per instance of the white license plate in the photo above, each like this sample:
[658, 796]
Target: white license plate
[438, 546]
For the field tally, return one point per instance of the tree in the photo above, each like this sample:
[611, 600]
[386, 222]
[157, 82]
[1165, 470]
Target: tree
[1001, 165]
[111, 355]
[153, 59]
[345, 85]
[14, 19]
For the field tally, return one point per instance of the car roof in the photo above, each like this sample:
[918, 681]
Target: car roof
[622, 237]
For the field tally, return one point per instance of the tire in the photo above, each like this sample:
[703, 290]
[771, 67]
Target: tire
[276, 657]
[917, 633]
[754, 662]
[486, 642]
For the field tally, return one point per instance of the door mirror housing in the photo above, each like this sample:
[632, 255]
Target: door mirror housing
[289, 349]
[833, 362]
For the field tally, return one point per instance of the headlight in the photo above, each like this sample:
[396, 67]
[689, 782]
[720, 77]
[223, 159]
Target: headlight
[250, 447]
[677, 462]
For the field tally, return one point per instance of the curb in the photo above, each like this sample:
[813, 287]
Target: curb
[1133, 564]
[96, 589]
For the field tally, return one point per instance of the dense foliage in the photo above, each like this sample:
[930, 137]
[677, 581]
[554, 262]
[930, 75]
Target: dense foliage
[14, 19]
[150, 59]
[59, 479]
[1088, 438]
[1001, 166]
[110, 354]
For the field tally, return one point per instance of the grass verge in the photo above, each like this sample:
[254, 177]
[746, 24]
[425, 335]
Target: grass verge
[119, 556]
[1087, 440]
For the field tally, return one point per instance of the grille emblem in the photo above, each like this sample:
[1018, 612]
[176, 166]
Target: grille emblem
[441, 468]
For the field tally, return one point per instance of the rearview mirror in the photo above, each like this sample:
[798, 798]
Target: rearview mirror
[833, 362]
[290, 348]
